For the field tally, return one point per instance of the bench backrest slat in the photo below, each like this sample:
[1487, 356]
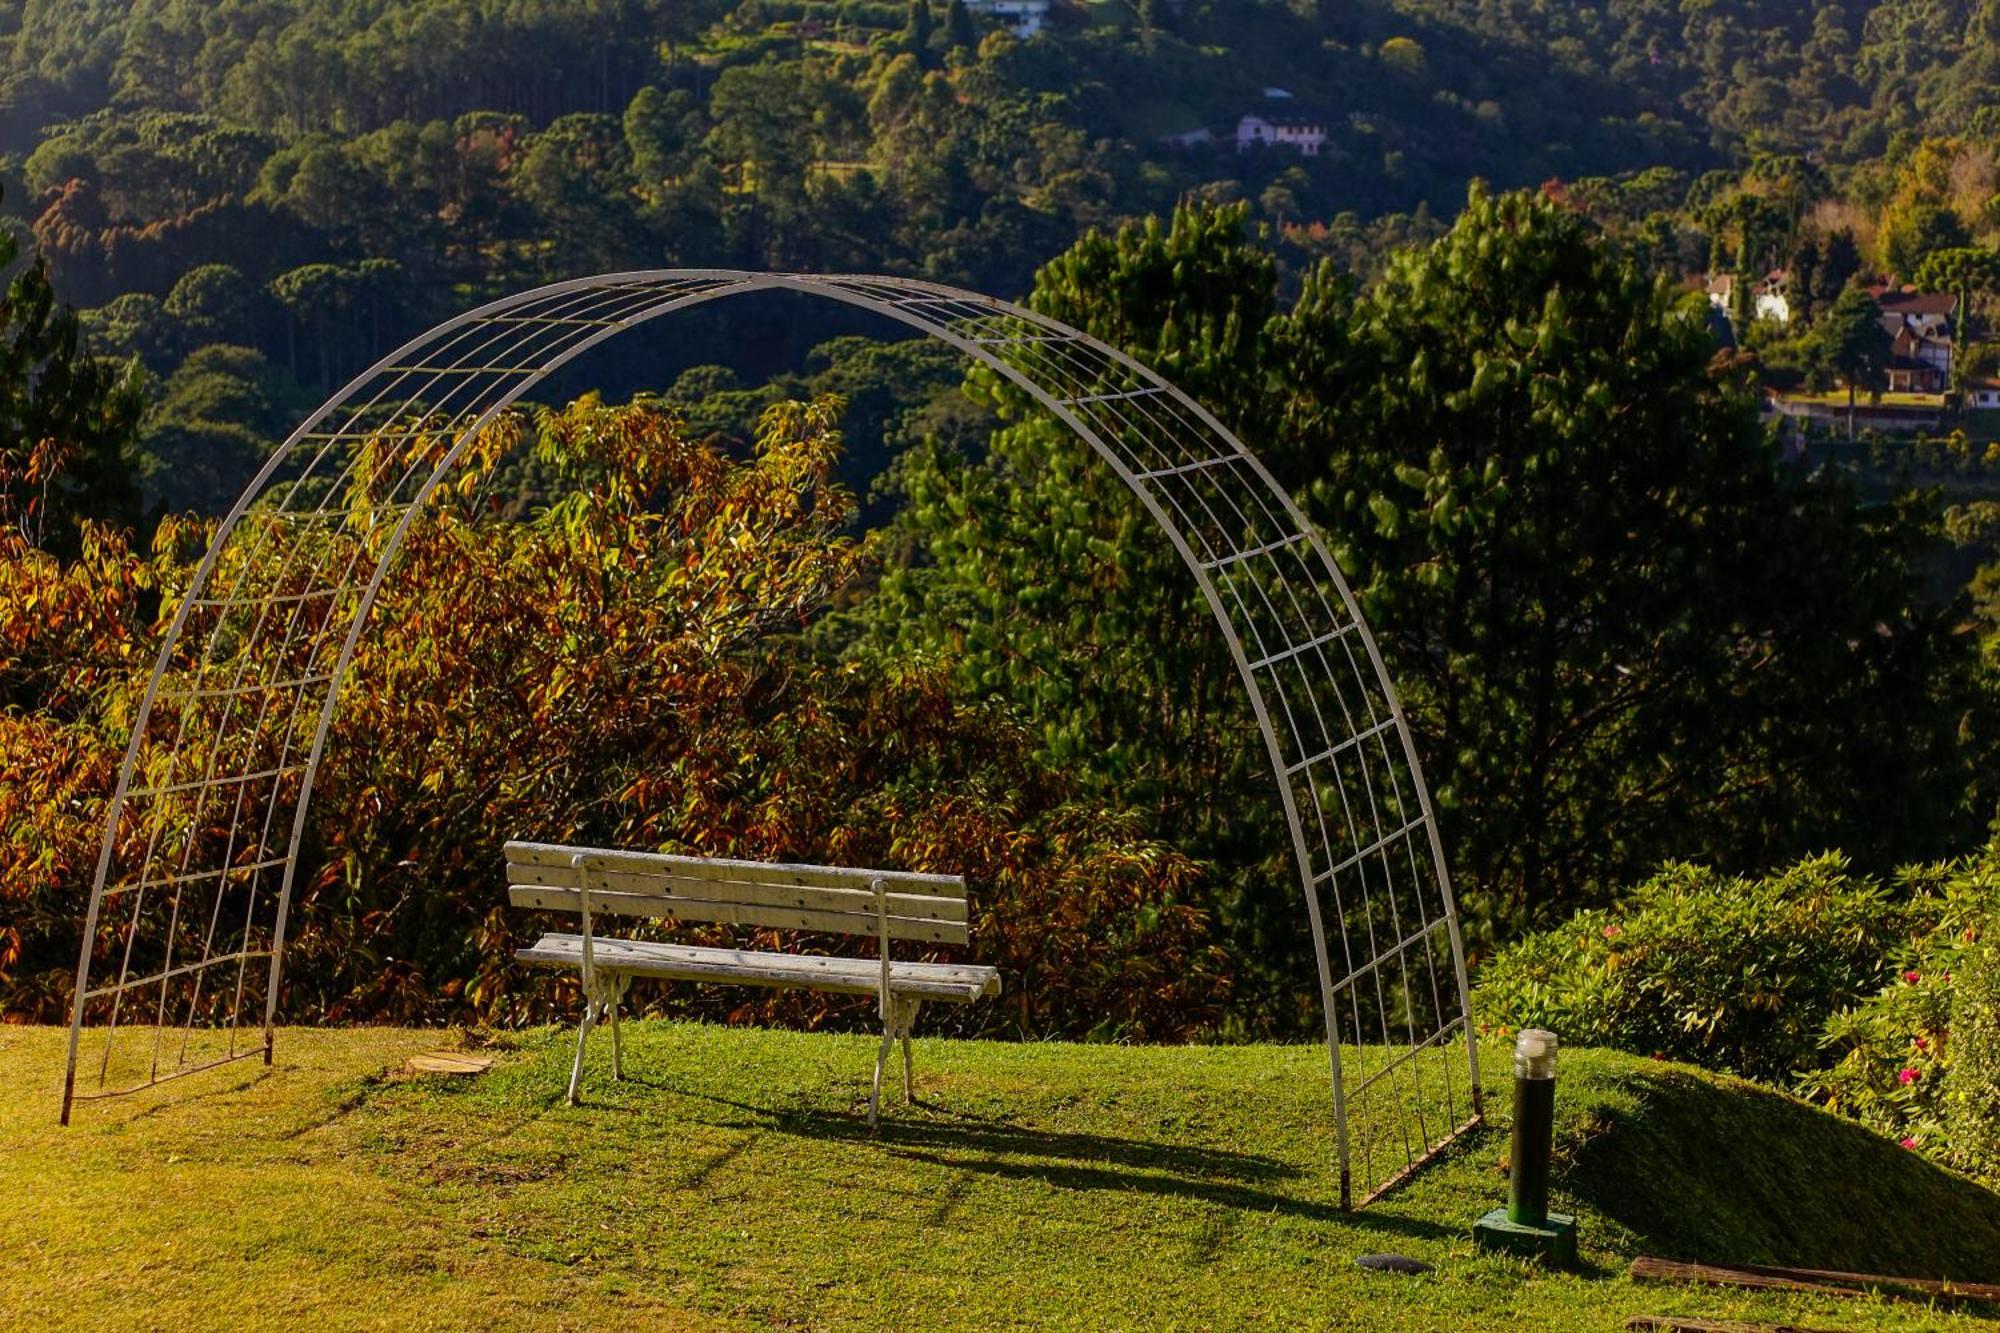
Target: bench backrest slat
[835, 899]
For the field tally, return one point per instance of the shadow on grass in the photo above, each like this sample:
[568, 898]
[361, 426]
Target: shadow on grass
[188, 1098]
[970, 1146]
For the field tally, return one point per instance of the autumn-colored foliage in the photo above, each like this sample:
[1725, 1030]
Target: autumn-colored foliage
[618, 661]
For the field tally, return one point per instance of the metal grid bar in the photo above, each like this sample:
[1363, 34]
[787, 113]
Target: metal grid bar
[195, 877]
[184, 970]
[1313, 674]
[1389, 955]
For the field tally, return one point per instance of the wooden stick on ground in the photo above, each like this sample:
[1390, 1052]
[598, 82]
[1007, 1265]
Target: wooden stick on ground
[1827, 1282]
[1659, 1323]
[1677, 1323]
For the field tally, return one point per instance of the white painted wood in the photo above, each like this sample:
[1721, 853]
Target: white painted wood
[805, 897]
[889, 905]
[737, 914]
[956, 982]
[715, 867]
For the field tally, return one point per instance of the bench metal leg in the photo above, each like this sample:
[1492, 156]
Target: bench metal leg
[576, 1069]
[617, 1045]
[881, 1059]
[909, 1017]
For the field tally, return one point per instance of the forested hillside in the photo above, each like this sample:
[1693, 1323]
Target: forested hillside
[257, 197]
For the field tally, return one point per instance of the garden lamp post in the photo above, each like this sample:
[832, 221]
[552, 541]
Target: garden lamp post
[1526, 1226]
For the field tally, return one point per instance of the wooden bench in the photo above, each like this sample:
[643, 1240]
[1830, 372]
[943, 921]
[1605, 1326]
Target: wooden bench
[882, 904]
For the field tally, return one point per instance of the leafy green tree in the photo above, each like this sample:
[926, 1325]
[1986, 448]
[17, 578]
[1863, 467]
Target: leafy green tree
[218, 416]
[577, 176]
[1850, 343]
[656, 125]
[1840, 265]
[917, 24]
[959, 34]
[1621, 626]
[1911, 236]
[1031, 570]
[217, 303]
[67, 421]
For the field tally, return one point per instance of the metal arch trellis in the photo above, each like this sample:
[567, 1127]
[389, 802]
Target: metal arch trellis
[201, 846]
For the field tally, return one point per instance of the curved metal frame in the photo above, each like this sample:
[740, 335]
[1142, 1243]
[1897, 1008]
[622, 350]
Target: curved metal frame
[279, 620]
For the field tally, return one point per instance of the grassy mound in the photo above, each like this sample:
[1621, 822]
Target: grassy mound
[1696, 1166]
[731, 1181]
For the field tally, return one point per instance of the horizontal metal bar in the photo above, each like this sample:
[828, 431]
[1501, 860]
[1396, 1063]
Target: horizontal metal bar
[1381, 845]
[546, 320]
[1012, 339]
[269, 599]
[236, 691]
[232, 780]
[1205, 463]
[1235, 556]
[194, 876]
[1394, 952]
[1298, 649]
[158, 1079]
[1337, 750]
[460, 370]
[160, 978]
[1108, 397]
[341, 514]
[1412, 1053]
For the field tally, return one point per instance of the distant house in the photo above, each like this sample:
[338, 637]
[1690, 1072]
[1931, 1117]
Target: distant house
[1025, 17]
[1983, 393]
[1771, 299]
[1284, 125]
[1774, 297]
[1194, 138]
[1919, 325]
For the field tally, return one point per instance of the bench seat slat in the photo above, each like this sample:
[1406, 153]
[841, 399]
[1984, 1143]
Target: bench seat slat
[709, 867]
[811, 898]
[735, 914]
[958, 982]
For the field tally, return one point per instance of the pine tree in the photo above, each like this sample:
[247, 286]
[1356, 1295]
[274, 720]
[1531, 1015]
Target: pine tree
[67, 420]
[959, 33]
[917, 29]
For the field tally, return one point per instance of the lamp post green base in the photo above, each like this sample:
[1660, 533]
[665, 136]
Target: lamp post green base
[1553, 1242]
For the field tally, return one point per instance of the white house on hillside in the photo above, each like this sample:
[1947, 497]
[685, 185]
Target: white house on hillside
[1771, 299]
[1283, 126]
[1025, 17]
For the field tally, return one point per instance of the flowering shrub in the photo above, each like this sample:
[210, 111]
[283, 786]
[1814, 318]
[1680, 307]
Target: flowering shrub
[1733, 973]
[1972, 1097]
[1919, 1060]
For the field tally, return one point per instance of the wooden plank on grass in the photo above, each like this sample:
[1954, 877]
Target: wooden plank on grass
[1660, 1323]
[450, 1062]
[1825, 1282]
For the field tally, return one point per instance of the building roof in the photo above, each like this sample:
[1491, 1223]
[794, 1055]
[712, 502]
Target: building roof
[1908, 301]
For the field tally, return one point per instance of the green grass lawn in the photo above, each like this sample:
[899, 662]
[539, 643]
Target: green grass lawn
[731, 1181]
[1838, 398]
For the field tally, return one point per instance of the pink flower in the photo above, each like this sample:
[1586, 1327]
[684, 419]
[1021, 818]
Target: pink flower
[1913, 976]
[1612, 932]
[1909, 1143]
[1908, 1076]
